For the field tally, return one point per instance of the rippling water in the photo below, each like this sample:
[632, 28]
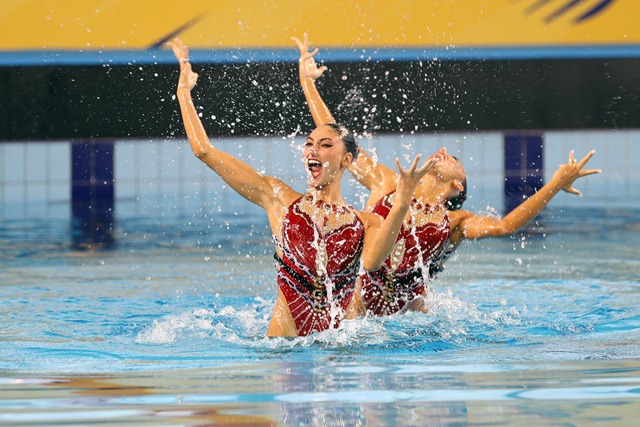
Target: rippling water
[168, 328]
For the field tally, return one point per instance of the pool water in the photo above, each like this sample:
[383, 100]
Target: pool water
[168, 328]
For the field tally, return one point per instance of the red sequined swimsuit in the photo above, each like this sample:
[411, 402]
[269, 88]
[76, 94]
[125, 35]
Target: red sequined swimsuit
[320, 259]
[416, 257]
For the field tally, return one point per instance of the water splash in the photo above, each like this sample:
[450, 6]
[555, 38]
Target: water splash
[450, 321]
[228, 324]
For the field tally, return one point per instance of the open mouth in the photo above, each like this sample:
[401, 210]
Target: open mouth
[315, 167]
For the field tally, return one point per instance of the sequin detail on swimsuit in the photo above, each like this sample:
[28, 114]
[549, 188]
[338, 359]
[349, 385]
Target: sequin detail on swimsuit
[414, 261]
[320, 246]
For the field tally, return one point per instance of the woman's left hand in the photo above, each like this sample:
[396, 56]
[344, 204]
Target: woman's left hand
[569, 172]
[188, 78]
[308, 66]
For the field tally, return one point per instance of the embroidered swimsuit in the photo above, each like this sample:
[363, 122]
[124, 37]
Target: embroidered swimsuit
[321, 246]
[416, 258]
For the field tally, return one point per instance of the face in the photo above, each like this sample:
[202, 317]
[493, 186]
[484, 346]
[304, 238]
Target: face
[325, 156]
[448, 169]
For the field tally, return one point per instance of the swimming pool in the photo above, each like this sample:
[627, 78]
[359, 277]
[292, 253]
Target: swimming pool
[167, 328]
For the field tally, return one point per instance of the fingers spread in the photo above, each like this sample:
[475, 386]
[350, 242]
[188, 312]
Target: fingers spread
[427, 165]
[591, 171]
[572, 190]
[586, 158]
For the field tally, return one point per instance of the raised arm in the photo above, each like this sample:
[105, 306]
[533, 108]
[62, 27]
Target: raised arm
[240, 176]
[377, 178]
[309, 72]
[477, 227]
[380, 242]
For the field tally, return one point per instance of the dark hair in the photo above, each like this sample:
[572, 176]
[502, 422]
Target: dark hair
[456, 202]
[347, 137]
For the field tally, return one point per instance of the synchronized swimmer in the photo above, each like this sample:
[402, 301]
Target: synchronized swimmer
[320, 242]
[435, 224]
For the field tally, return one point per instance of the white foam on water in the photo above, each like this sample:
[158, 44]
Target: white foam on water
[448, 318]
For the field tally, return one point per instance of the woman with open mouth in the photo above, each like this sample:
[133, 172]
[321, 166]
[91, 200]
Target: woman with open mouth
[320, 241]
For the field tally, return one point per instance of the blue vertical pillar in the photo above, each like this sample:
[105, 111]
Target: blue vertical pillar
[92, 194]
[523, 167]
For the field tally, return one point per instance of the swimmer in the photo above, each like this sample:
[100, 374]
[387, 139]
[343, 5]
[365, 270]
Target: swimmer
[435, 224]
[320, 241]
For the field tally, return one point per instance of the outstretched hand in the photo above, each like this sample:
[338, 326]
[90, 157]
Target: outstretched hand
[308, 66]
[409, 179]
[569, 172]
[188, 78]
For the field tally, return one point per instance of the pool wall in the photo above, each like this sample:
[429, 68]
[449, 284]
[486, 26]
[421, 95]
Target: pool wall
[162, 177]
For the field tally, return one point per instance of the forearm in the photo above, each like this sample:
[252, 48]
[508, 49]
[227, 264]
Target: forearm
[475, 227]
[198, 139]
[319, 110]
[388, 232]
[241, 177]
[523, 214]
[385, 240]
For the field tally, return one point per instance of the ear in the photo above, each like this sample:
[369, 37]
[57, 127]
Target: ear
[457, 184]
[347, 159]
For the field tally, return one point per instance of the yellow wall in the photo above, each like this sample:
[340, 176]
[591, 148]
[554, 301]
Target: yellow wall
[138, 24]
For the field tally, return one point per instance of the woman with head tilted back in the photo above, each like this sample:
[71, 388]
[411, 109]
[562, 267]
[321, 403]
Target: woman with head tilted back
[434, 225]
[320, 240]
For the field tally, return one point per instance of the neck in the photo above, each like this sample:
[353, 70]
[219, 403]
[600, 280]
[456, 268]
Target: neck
[431, 190]
[328, 193]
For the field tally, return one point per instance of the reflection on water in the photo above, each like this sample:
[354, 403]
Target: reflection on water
[168, 328]
[321, 392]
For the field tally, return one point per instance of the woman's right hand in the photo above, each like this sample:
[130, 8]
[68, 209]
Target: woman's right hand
[188, 78]
[308, 67]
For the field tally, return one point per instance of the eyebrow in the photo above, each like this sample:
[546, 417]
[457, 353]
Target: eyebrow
[320, 140]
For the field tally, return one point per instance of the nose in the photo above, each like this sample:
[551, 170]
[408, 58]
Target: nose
[312, 151]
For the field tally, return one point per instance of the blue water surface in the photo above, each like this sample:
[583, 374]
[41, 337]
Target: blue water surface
[184, 293]
[189, 299]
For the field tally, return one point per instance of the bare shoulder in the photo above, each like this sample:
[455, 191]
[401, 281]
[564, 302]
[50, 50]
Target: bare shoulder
[458, 217]
[457, 220]
[380, 190]
[278, 201]
[282, 194]
[387, 182]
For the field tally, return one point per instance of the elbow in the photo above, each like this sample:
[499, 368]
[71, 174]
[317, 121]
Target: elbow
[502, 231]
[200, 152]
